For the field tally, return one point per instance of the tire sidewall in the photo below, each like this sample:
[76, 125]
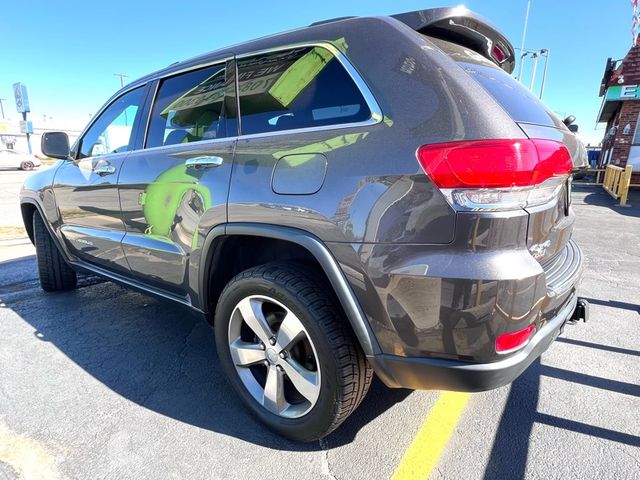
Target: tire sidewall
[320, 417]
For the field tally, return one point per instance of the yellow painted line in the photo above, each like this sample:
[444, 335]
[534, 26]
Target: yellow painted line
[28, 457]
[426, 448]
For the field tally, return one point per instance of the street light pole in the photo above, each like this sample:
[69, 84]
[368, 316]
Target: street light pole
[524, 34]
[546, 53]
[522, 55]
[535, 56]
[2, 106]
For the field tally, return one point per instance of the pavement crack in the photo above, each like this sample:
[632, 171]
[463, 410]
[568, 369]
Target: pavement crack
[324, 458]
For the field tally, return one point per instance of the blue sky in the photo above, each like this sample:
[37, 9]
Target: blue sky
[67, 51]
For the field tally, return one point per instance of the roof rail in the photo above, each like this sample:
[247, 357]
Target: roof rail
[465, 28]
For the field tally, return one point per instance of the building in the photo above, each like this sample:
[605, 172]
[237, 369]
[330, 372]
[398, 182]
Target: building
[11, 137]
[620, 110]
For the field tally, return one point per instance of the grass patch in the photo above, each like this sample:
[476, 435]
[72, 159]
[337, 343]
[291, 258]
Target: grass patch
[11, 233]
[47, 162]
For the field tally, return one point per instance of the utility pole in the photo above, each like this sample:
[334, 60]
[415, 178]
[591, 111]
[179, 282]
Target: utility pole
[2, 106]
[122, 77]
[546, 53]
[524, 34]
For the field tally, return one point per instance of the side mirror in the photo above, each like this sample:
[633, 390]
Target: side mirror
[55, 145]
[569, 120]
[573, 128]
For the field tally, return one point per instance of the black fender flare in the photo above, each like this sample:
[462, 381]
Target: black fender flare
[56, 240]
[318, 250]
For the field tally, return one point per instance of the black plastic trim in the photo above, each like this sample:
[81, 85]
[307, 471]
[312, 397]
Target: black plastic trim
[439, 374]
[82, 266]
[54, 237]
[320, 252]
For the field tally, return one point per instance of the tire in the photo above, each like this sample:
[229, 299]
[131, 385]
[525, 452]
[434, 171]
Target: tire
[55, 274]
[26, 166]
[335, 372]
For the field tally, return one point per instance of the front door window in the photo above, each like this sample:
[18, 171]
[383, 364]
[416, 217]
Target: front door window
[112, 132]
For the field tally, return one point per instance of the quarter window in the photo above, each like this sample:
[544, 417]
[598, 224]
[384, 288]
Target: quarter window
[191, 107]
[112, 131]
[297, 88]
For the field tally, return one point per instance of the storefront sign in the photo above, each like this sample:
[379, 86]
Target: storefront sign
[623, 92]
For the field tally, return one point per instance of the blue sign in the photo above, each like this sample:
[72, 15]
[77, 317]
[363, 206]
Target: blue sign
[22, 97]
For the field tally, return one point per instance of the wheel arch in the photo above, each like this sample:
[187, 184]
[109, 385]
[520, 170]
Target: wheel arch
[27, 208]
[299, 244]
[30, 205]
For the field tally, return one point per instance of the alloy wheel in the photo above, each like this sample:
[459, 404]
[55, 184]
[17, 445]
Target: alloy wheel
[274, 356]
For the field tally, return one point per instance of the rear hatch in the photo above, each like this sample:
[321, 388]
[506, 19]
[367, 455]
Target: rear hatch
[487, 56]
[551, 224]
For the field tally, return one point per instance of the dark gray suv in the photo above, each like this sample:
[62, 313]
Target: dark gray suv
[362, 195]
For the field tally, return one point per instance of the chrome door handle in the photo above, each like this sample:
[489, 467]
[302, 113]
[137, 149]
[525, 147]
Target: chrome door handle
[204, 161]
[103, 170]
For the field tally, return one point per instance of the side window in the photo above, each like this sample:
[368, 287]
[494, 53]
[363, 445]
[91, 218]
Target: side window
[112, 130]
[636, 134]
[298, 88]
[192, 107]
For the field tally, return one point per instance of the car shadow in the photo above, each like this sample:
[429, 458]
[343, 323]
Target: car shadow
[510, 450]
[634, 307]
[598, 197]
[158, 355]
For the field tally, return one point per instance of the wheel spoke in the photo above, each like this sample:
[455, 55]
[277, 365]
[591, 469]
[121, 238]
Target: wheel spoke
[273, 398]
[305, 381]
[253, 316]
[290, 330]
[245, 354]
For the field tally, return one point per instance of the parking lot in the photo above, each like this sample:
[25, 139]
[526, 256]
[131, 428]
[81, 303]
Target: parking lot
[103, 382]
[10, 217]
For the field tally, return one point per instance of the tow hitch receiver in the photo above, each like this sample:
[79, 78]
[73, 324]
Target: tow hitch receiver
[580, 313]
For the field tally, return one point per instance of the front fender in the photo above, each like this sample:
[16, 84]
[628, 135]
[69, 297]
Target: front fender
[37, 192]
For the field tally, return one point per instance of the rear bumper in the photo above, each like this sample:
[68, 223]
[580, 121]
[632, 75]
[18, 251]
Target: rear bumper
[422, 373]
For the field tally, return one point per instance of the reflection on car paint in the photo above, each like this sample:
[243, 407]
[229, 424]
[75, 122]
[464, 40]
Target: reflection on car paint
[174, 202]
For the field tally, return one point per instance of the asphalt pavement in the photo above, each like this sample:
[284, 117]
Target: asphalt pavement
[103, 382]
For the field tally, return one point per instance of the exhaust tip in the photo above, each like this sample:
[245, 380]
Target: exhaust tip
[581, 313]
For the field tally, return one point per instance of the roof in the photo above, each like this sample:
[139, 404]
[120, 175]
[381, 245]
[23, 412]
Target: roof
[457, 24]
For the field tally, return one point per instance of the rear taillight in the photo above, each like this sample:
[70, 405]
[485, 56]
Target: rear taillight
[498, 54]
[497, 174]
[508, 342]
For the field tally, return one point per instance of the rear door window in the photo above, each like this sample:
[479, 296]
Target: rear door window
[297, 88]
[192, 107]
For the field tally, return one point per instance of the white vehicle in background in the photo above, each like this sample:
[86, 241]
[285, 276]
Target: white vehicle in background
[15, 159]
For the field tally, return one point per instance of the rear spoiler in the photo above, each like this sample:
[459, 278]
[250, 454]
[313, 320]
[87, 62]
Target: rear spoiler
[465, 28]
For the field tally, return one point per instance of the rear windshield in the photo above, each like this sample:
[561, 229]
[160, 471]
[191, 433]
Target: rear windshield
[519, 103]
